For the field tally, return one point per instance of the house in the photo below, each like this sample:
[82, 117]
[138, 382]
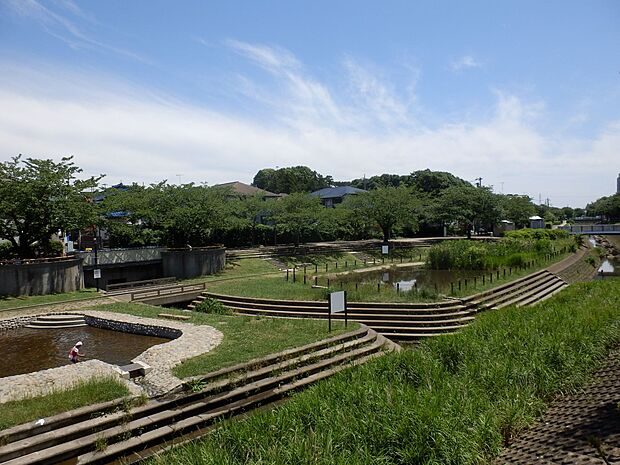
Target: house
[331, 196]
[245, 190]
[536, 222]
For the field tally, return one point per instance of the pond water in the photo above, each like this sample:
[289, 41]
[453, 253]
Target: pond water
[609, 267]
[407, 278]
[25, 350]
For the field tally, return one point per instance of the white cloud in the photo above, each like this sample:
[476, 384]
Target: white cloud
[465, 62]
[136, 135]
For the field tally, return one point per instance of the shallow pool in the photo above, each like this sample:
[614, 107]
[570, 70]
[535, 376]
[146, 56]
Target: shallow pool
[25, 350]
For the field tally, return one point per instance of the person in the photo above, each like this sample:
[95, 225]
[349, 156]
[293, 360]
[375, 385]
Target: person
[75, 353]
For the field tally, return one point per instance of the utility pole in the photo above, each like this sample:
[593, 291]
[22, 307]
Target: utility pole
[478, 182]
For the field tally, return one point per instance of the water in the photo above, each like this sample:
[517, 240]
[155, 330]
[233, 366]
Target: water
[609, 267]
[408, 278]
[25, 350]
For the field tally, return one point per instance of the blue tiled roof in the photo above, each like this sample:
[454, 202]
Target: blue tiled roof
[336, 192]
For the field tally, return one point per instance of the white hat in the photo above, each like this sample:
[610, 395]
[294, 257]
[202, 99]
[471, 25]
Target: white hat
[78, 343]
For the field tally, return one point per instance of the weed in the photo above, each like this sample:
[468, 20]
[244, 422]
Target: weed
[101, 444]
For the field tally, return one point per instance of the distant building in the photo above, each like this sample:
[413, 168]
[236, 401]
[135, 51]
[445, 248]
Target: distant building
[245, 190]
[502, 227]
[331, 196]
[536, 222]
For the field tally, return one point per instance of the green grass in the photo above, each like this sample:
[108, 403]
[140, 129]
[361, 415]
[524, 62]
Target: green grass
[238, 269]
[7, 302]
[454, 400]
[85, 393]
[245, 337]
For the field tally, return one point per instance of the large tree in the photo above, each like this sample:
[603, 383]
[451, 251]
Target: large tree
[468, 207]
[607, 207]
[388, 207]
[518, 208]
[297, 214]
[39, 198]
[291, 179]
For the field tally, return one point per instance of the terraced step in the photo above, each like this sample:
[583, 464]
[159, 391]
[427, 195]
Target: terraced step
[57, 321]
[224, 393]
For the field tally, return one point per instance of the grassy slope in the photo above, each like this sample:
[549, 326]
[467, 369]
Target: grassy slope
[245, 337]
[16, 302]
[86, 393]
[456, 400]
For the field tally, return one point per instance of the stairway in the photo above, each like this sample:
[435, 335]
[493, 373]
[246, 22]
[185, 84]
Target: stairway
[398, 321]
[56, 321]
[526, 291]
[110, 433]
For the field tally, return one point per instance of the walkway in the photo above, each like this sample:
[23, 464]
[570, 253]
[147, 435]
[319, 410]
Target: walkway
[579, 429]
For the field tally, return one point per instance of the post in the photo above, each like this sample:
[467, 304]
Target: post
[294, 267]
[346, 312]
[378, 287]
[329, 311]
[398, 288]
[451, 288]
[304, 278]
[96, 259]
[287, 274]
[459, 284]
[316, 280]
[327, 283]
[316, 268]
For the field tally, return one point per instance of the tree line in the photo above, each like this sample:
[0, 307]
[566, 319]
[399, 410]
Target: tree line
[41, 198]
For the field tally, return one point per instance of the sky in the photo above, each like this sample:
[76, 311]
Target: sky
[524, 94]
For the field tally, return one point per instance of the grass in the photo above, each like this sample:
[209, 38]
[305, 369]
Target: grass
[245, 337]
[84, 393]
[454, 400]
[7, 302]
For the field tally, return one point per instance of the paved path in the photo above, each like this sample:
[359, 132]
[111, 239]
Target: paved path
[579, 429]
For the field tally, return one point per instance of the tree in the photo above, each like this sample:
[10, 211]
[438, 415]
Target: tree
[297, 213]
[607, 207]
[433, 182]
[518, 208]
[38, 198]
[388, 207]
[289, 180]
[468, 207]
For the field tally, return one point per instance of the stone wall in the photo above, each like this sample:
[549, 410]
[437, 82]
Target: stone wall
[41, 278]
[18, 322]
[133, 328]
[185, 264]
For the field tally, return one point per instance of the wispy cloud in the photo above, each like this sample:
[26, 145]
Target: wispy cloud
[465, 62]
[61, 27]
[135, 135]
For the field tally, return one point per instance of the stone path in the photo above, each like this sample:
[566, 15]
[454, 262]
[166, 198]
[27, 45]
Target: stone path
[579, 429]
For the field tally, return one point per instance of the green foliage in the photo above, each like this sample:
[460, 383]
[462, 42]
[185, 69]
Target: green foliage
[291, 179]
[518, 208]
[528, 233]
[6, 250]
[388, 207]
[467, 207]
[452, 400]
[40, 197]
[607, 207]
[297, 214]
[209, 305]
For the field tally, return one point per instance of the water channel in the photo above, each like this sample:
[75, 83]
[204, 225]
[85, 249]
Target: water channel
[25, 350]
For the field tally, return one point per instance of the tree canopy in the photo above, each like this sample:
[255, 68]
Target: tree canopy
[290, 180]
[38, 198]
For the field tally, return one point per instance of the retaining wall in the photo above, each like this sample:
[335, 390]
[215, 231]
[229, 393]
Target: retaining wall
[41, 278]
[185, 264]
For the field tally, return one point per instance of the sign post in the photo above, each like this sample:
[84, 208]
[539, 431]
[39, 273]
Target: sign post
[337, 302]
[385, 249]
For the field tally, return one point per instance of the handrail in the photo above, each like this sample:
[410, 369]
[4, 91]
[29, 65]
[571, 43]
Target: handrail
[166, 291]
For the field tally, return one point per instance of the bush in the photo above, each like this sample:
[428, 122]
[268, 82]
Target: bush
[543, 246]
[529, 233]
[6, 250]
[516, 260]
[209, 305]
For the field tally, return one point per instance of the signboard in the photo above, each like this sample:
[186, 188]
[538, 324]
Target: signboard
[70, 246]
[385, 249]
[97, 273]
[337, 302]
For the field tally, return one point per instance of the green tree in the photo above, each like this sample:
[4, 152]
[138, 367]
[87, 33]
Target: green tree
[388, 207]
[607, 207]
[518, 208]
[291, 179]
[297, 214]
[39, 198]
[467, 207]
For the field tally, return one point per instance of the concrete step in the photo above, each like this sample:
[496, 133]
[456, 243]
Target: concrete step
[55, 326]
[293, 368]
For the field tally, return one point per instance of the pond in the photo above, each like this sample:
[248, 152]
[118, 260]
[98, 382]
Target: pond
[409, 277]
[25, 350]
[609, 267]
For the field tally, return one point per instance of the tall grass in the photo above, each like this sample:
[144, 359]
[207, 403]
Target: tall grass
[455, 400]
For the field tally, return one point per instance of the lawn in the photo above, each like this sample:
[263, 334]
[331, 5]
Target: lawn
[7, 302]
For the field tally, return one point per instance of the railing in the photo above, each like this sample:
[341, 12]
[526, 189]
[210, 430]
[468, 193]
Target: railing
[146, 282]
[592, 228]
[167, 291]
[34, 261]
[114, 256]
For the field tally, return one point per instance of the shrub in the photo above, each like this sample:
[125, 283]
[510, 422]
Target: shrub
[6, 250]
[214, 306]
[515, 260]
[543, 246]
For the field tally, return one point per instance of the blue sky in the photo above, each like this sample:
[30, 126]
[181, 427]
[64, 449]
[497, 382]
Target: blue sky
[524, 94]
